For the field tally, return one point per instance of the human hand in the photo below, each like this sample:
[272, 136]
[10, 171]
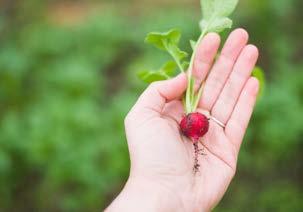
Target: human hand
[162, 160]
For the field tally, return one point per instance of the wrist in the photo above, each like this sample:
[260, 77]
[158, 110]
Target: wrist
[140, 194]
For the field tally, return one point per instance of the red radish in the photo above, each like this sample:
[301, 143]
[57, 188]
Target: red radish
[194, 126]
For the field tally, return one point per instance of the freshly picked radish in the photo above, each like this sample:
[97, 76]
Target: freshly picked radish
[194, 125]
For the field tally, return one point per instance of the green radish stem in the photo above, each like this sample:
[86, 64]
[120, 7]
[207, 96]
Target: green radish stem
[191, 99]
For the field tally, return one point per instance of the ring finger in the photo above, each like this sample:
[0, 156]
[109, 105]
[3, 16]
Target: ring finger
[235, 83]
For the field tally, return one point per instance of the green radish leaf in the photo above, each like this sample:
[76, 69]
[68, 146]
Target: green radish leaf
[168, 41]
[150, 76]
[259, 74]
[218, 25]
[207, 7]
[169, 68]
[162, 40]
[217, 8]
[165, 72]
[224, 8]
[215, 13]
[177, 53]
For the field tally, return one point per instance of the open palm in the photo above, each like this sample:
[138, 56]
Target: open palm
[163, 158]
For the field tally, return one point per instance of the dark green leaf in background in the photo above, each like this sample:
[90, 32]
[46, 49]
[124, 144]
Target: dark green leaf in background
[259, 74]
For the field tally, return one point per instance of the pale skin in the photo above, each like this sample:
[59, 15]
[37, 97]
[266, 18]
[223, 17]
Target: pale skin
[161, 176]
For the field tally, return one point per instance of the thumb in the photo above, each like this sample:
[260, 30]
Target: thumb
[161, 92]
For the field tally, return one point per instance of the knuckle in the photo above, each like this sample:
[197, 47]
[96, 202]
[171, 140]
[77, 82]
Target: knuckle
[239, 76]
[226, 61]
[231, 97]
[153, 86]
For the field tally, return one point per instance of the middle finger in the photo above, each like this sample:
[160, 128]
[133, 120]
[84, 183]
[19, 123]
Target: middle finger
[222, 68]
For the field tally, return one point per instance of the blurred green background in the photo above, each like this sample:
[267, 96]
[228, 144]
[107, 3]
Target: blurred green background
[67, 79]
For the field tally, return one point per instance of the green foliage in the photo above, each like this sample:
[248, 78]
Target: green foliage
[164, 41]
[217, 8]
[52, 128]
[259, 74]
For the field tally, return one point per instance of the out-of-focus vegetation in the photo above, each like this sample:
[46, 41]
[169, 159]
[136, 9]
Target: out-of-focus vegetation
[67, 79]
